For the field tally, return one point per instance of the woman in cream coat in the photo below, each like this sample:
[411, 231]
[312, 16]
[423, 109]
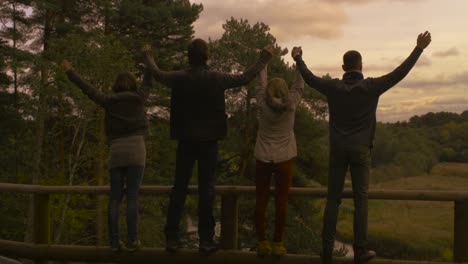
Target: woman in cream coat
[275, 150]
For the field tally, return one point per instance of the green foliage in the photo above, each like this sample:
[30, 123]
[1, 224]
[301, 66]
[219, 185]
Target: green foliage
[86, 33]
[4, 78]
[312, 141]
[401, 151]
[160, 150]
[434, 119]
[167, 25]
[414, 147]
[450, 130]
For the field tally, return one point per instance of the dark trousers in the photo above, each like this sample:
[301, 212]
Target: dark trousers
[206, 153]
[282, 173]
[119, 177]
[357, 158]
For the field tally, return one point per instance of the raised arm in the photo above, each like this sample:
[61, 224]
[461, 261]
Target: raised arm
[235, 80]
[382, 84]
[260, 86]
[160, 76]
[146, 84]
[313, 81]
[93, 93]
[297, 87]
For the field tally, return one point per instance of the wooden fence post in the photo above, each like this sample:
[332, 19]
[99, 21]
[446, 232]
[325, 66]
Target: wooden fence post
[229, 221]
[41, 221]
[460, 245]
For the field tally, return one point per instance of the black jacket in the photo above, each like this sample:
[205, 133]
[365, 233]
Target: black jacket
[197, 98]
[352, 101]
[124, 111]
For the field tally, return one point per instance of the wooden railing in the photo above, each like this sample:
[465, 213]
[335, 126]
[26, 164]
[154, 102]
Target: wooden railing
[42, 251]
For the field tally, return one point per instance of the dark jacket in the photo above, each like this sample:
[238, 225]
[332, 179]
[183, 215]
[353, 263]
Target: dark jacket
[197, 98]
[124, 111]
[352, 101]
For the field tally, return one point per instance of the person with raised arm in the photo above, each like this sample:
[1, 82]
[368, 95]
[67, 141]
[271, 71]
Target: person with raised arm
[197, 122]
[275, 150]
[352, 104]
[126, 125]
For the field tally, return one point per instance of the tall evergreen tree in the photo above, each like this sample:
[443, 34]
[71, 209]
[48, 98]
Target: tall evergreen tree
[4, 78]
[167, 25]
[236, 50]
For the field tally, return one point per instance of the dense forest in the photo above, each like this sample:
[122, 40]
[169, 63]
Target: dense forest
[53, 134]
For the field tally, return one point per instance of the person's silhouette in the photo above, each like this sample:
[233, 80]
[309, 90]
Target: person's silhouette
[352, 103]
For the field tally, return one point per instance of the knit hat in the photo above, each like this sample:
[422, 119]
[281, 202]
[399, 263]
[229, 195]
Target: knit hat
[277, 95]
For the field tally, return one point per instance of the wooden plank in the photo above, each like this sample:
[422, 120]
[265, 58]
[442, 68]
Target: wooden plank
[41, 233]
[460, 245]
[156, 255]
[4, 260]
[409, 195]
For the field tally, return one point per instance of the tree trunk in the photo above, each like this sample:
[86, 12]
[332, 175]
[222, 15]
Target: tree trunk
[73, 163]
[15, 94]
[40, 120]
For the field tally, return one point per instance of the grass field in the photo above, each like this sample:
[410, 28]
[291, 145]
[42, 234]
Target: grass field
[412, 230]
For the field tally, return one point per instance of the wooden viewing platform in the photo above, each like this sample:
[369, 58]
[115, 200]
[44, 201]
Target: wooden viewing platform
[42, 251]
[158, 255]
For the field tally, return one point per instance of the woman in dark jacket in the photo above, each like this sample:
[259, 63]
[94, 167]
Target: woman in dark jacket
[126, 125]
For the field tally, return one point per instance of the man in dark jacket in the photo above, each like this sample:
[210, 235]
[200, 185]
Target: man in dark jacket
[198, 121]
[352, 104]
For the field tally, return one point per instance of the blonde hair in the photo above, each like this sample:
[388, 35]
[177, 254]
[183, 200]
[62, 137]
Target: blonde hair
[277, 88]
[277, 94]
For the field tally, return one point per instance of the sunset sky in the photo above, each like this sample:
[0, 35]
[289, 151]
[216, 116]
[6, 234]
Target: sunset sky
[384, 31]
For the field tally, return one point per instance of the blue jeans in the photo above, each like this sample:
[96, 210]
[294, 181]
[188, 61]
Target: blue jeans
[206, 153]
[131, 177]
[357, 159]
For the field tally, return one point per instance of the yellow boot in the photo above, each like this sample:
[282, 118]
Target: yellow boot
[263, 248]
[278, 249]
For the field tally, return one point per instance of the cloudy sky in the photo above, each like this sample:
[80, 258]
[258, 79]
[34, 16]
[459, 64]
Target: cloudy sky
[384, 31]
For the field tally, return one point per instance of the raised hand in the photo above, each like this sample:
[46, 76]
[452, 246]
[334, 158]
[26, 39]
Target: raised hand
[146, 48]
[147, 56]
[296, 51]
[424, 39]
[66, 65]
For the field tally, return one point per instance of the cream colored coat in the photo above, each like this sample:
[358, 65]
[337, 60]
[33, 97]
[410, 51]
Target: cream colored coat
[276, 141]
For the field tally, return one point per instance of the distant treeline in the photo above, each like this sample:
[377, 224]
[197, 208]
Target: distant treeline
[413, 147]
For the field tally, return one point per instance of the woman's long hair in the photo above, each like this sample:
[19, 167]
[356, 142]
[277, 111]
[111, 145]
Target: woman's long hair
[125, 82]
[277, 95]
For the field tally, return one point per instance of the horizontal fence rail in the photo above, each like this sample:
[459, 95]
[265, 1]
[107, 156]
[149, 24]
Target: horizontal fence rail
[4, 260]
[407, 195]
[158, 255]
[42, 251]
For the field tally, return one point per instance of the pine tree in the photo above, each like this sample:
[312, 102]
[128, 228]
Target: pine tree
[235, 51]
[167, 25]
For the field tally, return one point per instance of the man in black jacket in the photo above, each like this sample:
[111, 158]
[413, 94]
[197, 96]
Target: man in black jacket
[352, 104]
[198, 121]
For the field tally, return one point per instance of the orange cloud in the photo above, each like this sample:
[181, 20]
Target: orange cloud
[396, 110]
[287, 19]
